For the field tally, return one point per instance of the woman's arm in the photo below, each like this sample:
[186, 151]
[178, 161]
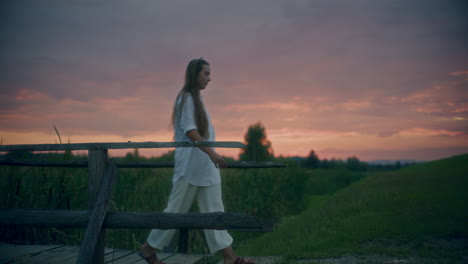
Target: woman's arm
[215, 157]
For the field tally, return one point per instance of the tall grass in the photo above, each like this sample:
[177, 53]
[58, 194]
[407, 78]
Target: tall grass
[23, 187]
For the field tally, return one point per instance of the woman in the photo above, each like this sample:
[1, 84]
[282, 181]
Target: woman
[196, 172]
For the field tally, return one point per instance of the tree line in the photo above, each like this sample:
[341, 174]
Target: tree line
[259, 148]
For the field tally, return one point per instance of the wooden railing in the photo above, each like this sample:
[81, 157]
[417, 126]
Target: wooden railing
[102, 174]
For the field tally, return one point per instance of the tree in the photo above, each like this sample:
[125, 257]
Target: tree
[133, 156]
[325, 164]
[398, 165]
[354, 164]
[258, 147]
[312, 161]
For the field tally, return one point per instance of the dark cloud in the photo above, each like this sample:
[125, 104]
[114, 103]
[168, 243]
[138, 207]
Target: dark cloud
[331, 44]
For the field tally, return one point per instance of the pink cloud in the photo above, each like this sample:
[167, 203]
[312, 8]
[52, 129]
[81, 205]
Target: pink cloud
[447, 97]
[430, 132]
[29, 95]
[282, 106]
[460, 73]
[352, 105]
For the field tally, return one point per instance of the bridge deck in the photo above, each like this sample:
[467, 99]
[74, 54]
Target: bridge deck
[52, 254]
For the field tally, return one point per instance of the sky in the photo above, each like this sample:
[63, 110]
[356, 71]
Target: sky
[373, 79]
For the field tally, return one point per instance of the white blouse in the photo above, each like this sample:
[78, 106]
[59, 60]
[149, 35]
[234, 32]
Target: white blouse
[192, 163]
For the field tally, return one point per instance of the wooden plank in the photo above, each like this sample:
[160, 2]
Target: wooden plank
[45, 163]
[254, 165]
[10, 252]
[133, 257]
[131, 164]
[92, 234]
[52, 256]
[119, 145]
[183, 259]
[262, 259]
[73, 219]
[115, 254]
[72, 257]
[56, 254]
[217, 220]
[170, 164]
[43, 218]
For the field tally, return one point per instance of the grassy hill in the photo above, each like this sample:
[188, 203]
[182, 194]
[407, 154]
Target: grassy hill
[420, 210]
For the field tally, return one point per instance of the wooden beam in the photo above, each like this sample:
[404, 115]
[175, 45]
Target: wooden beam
[90, 245]
[74, 219]
[254, 165]
[119, 145]
[183, 240]
[45, 163]
[97, 167]
[132, 164]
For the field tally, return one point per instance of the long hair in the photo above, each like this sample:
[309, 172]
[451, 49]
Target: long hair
[191, 87]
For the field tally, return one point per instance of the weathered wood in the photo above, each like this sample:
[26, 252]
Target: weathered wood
[145, 164]
[132, 164]
[254, 165]
[97, 164]
[58, 255]
[184, 258]
[279, 259]
[45, 163]
[74, 219]
[41, 254]
[119, 145]
[10, 252]
[44, 218]
[218, 220]
[183, 240]
[133, 257]
[89, 246]
[113, 255]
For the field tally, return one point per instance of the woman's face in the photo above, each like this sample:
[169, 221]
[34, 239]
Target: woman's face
[204, 76]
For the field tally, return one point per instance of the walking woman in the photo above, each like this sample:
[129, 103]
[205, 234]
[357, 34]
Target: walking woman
[196, 172]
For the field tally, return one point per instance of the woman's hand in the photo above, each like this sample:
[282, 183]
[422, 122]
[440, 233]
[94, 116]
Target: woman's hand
[218, 160]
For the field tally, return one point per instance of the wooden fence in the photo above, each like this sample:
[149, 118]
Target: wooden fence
[102, 175]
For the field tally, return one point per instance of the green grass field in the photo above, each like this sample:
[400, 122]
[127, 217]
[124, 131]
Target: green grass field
[393, 213]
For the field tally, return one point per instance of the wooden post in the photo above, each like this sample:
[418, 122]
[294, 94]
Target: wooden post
[183, 240]
[88, 250]
[97, 164]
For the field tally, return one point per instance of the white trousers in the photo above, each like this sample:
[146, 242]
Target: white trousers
[180, 200]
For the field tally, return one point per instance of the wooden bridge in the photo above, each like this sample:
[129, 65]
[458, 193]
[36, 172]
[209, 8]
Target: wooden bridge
[60, 254]
[102, 175]
[55, 254]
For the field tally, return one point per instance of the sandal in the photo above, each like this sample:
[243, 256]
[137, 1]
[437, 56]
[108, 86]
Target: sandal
[153, 259]
[240, 260]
